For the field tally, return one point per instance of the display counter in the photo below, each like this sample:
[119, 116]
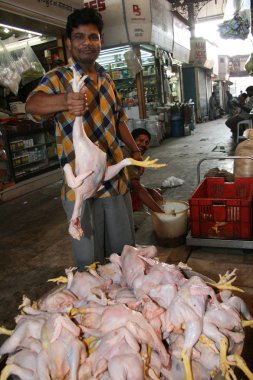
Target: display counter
[27, 149]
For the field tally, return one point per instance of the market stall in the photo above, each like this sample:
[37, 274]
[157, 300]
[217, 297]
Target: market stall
[27, 148]
[154, 36]
[31, 44]
[197, 75]
[144, 47]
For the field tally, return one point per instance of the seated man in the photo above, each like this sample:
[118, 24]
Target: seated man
[243, 114]
[139, 193]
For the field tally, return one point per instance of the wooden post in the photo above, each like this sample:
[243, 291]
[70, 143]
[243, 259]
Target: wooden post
[140, 86]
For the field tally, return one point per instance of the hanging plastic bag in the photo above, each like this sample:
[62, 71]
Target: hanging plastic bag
[9, 75]
[236, 28]
[35, 69]
[22, 62]
[236, 21]
[133, 63]
[16, 54]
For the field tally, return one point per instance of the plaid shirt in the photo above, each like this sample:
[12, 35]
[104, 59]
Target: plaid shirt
[104, 114]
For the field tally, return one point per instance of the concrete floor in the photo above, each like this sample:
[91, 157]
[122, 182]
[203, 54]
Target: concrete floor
[34, 241]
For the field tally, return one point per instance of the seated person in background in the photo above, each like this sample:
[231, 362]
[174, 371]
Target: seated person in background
[243, 114]
[139, 193]
[241, 100]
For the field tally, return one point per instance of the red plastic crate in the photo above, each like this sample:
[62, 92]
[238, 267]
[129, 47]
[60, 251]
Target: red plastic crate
[222, 210]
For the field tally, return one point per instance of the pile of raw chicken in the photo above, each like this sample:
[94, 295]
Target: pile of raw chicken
[133, 318]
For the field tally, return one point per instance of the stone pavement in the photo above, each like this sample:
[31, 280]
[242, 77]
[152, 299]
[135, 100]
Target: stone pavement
[35, 246]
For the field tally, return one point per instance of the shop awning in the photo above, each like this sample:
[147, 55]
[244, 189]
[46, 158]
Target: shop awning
[126, 21]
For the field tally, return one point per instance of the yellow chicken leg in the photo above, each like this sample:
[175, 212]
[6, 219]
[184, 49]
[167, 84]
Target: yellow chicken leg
[235, 360]
[226, 285]
[246, 323]
[225, 364]
[5, 331]
[147, 163]
[5, 372]
[58, 280]
[74, 311]
[240, 363]
[90, 339]
[209, 343]
[92, 266]
[187, 365]
[91, 343]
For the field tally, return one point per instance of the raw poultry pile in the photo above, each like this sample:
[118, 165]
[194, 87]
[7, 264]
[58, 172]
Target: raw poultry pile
[133, 318]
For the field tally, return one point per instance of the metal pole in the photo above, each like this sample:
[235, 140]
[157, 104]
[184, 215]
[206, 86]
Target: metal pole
[219, 158]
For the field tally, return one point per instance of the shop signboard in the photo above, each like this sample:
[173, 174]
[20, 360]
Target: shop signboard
[138, 20]
[202, 53]
[126, 21]
[198, 52]
[50, 11]
[162, 24]
[181, 43]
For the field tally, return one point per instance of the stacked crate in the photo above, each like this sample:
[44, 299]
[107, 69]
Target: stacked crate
[222, 210]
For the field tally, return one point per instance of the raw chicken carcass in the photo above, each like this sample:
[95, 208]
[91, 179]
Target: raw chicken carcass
[114, 343]
[117, 316]
[110, 271]
[126, 367]
[186, 313]
[60, 341]
[84, 282]
[25, 335]
[22, 364]
[133, 268]
[90, 166]
[58, 301]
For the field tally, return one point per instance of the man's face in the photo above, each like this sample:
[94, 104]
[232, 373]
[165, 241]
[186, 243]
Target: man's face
[85, 44]
[142, 142]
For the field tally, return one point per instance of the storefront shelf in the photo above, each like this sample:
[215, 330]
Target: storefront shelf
[27, 147]
[29, 163]
[29, 152]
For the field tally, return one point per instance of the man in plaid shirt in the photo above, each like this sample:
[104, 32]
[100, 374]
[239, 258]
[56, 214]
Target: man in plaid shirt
[107, 218]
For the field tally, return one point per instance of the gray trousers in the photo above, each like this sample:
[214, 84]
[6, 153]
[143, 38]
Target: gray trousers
[108, 226]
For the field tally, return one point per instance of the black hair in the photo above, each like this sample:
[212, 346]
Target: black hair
[250, 88]
[84, 16]
[140, 131]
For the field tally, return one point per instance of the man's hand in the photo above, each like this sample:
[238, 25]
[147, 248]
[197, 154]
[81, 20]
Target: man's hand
[243, 107]
[77, 103]
[137, 156]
